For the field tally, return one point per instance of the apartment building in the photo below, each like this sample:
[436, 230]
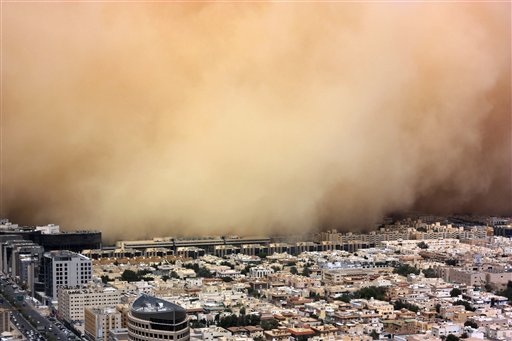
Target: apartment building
[72, 301]
[100, 321]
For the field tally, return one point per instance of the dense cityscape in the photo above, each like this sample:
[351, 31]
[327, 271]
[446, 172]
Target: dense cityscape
[255, 170]
[416, 278]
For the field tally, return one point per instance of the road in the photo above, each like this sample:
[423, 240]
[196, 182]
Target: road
[51, 330]
[20, 322]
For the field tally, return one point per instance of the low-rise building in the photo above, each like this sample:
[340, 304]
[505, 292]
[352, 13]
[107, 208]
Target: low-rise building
[99, 322]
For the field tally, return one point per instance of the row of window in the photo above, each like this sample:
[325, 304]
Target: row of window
[155, 336]
[134, 338]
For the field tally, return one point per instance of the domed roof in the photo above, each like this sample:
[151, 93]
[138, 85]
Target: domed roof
[158, 310]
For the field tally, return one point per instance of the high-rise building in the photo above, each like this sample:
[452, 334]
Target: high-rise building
[152, 318]
[50, 237]
[65, 269]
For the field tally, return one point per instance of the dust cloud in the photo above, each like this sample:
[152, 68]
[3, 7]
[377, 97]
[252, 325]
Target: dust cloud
[154, 119]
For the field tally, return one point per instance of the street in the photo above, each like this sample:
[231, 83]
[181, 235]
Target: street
[48, 330]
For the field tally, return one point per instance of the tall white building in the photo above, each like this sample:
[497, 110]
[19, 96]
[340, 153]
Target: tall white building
[73, 301]
[65, 269]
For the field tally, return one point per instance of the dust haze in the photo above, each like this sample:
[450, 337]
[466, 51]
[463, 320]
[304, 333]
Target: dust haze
[156, 119]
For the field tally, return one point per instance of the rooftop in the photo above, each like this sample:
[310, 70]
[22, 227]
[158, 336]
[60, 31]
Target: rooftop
[146, 303]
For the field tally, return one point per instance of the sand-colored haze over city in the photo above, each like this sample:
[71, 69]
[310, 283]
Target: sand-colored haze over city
[157, 119]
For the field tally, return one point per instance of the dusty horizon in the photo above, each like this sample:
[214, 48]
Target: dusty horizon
[158, 119]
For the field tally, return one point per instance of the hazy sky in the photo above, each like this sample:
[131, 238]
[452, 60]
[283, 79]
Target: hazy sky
[202, 118]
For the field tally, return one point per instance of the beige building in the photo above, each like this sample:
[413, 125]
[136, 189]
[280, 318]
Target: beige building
[124, 309]
[72, 302]
[5, 315]
[99, 322]
[120, 334]
[384, 309]
[468, 277]
[338, 275]
[498, 279]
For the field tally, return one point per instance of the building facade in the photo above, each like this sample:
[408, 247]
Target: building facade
[152, 318]
[100, 321]
[72, 301]
[65, 269]
[5, 315]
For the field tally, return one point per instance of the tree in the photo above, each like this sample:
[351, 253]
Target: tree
[430, 273]
[306, 272]
[129, 276]
[451, 337]
[204, 272]
[455, 292]
[401, 305]
[269, 324]
[245, 270]
[104, 279]
[466, 305]
[174, 274]
[227, 279]
[262, 255]
[197, 324]
[165, 278]
[293, 270]
[422, 245]
[228, 321]
[405, 269]
[377, 293]
[242, 320]
[374, 335]
[345, 298]
[507, 292]
[452, 262]
[471, 324]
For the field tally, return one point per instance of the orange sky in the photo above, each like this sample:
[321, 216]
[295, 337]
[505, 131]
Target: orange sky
[162, 119]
